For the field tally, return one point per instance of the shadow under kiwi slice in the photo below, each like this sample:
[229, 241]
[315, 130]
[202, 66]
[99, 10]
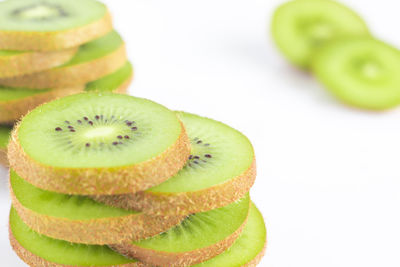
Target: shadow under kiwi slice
[220, 170]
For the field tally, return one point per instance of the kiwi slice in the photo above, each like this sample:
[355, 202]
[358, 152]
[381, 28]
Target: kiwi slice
[300, 27]
[98, 143]
[117, 81]
[361, 72]
[198, 238]
[52, 24]
[249, 249]
[93, 61]
[39, 250]
[221, 169]
[79, 219]
[5, 131]
[16, 63]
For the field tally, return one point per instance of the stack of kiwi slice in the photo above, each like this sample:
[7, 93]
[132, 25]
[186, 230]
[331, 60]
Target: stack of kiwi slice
[334, 42]
[55, 48]
[105, 179]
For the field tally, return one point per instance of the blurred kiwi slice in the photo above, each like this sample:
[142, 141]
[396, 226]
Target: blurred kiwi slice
[220, 170]
[361, 72]
[198, 238]
[79, 219]
[17, 63]
[93, 61]
[300, 27]
[16, 102]
[36, 25]
[5, 131]
[98, 143]
[38, 250]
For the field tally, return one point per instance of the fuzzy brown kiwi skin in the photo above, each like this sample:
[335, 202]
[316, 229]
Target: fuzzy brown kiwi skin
[187, 202]
[101, 231]
[13, 110]
[172, 259]
[58, 40]
[31, 62]
[3, 157]
[34, 260]
[71, 75]
[100, 181]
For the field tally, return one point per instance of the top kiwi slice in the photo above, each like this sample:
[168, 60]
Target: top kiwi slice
[220, 169]
[98, 143]
[300, 27]
[52, 24]
[369, 72]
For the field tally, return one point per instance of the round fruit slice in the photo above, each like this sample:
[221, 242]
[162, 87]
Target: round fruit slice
[79, 219]
[16, 102]
[117, 82]
[5, 131]
[364, 73]
[93, 61]
[38, 250]
[198, 238]
[16, 63]
[98, 143]
[300, 27]
[248, 250]
[52, 24]
[221, 169]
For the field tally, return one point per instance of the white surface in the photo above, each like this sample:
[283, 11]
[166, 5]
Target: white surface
[328, 182]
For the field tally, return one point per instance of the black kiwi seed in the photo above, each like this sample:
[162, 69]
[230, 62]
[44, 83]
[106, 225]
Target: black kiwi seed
[72, 130]
[87, 145]
[70, 127]
[199, 142]
[90, 122]
[119, 137]
[86, 118]
[79, 121]
[58, 129]
[126, 137]
[134, 128]
[115, 143]
[67, 122]
[208, 156]
[97, 117]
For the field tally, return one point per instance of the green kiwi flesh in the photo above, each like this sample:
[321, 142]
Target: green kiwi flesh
[200, 230]
[249, 246]
[112, 81]
[97, 130]
[369, 72]
[5, 131]
[218, 154]
[61, 205]
[62, 252]
[300, 27]
[49, 15]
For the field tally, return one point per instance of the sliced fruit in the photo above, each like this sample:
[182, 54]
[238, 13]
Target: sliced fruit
[117, 82]
[16, 63]
[249, 249]
[16, 102]
[300, 27]
[198, 238]
[38, 250]
[79, 219]
[5, 131]
[221, 169]
[93, 61]
[52, 24]
[98, 143]
[363, 73]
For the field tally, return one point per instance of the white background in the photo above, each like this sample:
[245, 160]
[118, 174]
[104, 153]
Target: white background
[328, 176]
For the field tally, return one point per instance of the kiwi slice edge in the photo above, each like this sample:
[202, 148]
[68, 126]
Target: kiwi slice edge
[93, 61]
[216, 192]
[100, 225]
[5, 131]
[198, 238]
[29, 33]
